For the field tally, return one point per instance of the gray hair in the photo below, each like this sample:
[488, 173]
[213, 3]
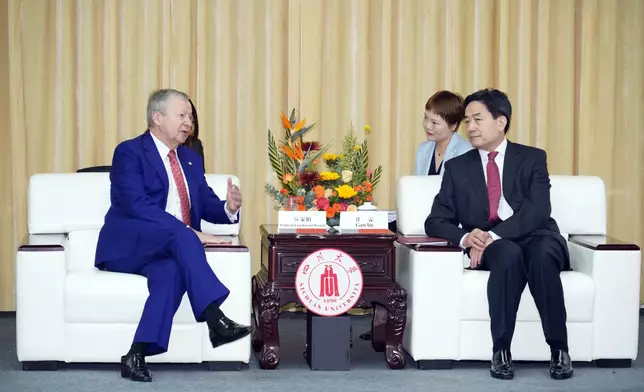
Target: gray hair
[158, 100]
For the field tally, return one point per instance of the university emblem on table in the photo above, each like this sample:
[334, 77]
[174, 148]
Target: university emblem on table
[329, 282]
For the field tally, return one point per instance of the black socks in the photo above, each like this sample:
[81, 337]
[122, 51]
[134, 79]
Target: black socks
[213, 314]
[139, 348]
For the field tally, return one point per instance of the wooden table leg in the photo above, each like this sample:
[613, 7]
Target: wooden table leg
[396, 321]
[268, 344]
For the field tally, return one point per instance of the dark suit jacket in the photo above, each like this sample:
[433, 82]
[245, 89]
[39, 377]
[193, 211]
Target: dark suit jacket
[139, 192]
[463, 197]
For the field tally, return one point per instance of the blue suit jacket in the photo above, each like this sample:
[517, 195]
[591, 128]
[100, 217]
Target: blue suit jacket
[425, 153]
[137, 222]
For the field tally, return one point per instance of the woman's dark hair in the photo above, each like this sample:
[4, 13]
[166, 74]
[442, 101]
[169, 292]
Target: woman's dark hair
[195, 126]
[448, 105]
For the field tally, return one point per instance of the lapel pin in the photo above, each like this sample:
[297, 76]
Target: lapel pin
[189, 163]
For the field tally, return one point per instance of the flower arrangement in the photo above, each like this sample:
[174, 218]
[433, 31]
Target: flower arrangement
[343, 183]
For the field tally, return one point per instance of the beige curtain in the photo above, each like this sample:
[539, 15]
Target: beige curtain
[75, 76]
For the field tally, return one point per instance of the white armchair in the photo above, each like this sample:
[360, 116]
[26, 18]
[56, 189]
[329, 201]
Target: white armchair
[448, 317]
[69, 311]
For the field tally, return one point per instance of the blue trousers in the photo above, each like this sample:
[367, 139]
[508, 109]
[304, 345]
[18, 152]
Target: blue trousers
[174, 262]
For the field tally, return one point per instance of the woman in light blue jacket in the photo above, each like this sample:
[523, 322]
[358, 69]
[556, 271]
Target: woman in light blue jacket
[444, 112]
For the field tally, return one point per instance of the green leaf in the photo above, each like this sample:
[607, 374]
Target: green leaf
[375, 177]
[274, 157]
[302, 132]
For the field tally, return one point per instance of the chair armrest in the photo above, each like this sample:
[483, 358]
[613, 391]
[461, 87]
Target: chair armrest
[431, 270]
[43, 242]
[601, 242]
[40, 298]
[232, 265]
[237, 244]
[615, 269]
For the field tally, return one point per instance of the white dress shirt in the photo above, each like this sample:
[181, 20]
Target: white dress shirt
[173, 205]
[504, 211]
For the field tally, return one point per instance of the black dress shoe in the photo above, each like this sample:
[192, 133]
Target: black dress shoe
[225, 331]
[502, 367]
[133, 366]
[560, 365]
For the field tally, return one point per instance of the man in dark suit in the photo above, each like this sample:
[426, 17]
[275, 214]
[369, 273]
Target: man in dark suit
[159, 196]
[500, 195]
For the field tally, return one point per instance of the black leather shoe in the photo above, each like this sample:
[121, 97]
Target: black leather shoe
[133, 366]
[502, 367]
[560, 365]
[225, 331]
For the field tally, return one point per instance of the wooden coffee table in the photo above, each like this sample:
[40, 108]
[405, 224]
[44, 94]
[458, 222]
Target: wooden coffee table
[274, 286]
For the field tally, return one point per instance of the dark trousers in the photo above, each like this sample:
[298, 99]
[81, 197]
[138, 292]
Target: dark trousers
[174, 263]
[538, 262]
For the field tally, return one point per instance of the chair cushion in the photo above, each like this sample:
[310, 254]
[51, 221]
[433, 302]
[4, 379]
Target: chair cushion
[109, 297]
[579, 293]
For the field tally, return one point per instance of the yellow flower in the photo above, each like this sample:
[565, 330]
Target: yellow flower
[329, 176]
[352, 207]
[367, 128]
[329, 157]
[345, 191]
[347, 176]
[356, 147]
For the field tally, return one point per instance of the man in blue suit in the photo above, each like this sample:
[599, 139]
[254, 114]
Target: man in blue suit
[159, 195]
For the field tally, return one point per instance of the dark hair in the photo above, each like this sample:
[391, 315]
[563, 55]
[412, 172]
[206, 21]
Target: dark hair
[195, 125]
[447, 105]
[496, 102]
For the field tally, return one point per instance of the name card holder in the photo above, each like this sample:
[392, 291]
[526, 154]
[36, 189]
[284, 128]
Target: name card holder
[302, 222]
[364, 222]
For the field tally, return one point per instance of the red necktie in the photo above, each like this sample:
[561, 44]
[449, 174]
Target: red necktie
[181, 187]
[493, 186]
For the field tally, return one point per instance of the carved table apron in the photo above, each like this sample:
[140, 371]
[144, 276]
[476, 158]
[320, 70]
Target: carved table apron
[274, 286]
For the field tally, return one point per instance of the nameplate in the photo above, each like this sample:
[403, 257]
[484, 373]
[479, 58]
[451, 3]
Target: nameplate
[305, 222]
[364, 222]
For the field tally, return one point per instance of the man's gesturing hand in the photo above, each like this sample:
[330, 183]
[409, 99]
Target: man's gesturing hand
[233, 197]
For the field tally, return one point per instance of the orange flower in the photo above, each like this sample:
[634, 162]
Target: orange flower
[301, 207]
[293, 151]
[319, 191]
[299, 125]
[285, 122]
[286, 178]
[369, 198]
[337, 207]
[284, 191]
[330, 212]
[300, 199]
[358, 188]
[335, 194]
